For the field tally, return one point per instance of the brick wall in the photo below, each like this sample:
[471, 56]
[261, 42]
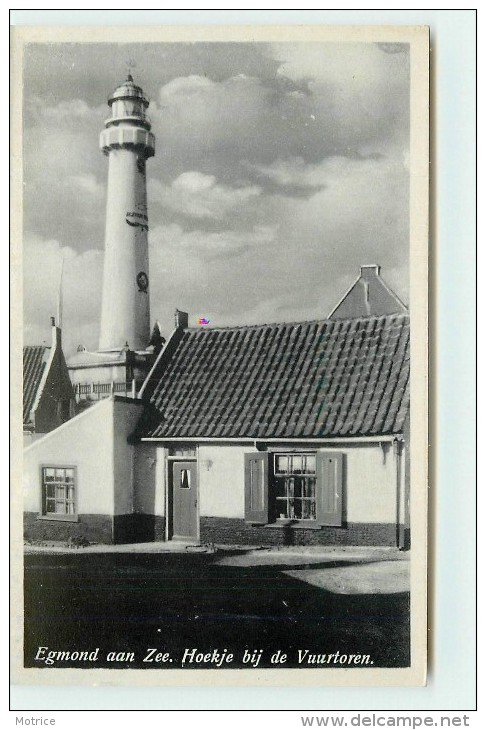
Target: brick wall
[138, 528]
[103, 529]
[237, 532]
[95, 528]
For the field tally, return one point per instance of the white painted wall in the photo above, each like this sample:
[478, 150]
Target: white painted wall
[160, 480]
[370, 484]
[370, 491]
[85, 442]
[222, 480]
[95, 442]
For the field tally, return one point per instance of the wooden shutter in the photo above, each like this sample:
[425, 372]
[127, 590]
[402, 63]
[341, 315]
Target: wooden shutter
[256, 487]
[329, 488]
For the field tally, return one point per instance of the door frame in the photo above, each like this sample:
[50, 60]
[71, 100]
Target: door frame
[169, 460]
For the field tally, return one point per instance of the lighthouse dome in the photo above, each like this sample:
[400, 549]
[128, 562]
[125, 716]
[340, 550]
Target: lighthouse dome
[128, 105]
[128, 90]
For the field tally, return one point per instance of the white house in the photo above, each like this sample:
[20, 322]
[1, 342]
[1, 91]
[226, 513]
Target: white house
[292, 433]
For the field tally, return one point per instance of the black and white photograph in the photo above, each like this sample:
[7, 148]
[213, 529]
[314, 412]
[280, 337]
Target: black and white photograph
[222, 248]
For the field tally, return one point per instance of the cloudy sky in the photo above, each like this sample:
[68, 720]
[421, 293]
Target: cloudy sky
[279, 169]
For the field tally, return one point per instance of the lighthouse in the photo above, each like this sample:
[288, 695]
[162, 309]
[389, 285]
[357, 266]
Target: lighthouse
[128, 143]
[127, 348]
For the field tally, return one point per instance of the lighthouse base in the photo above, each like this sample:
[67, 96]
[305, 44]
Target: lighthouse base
[101, 374]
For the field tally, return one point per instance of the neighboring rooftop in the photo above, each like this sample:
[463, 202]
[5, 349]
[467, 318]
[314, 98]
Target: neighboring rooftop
[368, 296]
[311, 379]
[35, 360]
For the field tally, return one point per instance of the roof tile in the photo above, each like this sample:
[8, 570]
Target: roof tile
[312, 379]
[34, 364]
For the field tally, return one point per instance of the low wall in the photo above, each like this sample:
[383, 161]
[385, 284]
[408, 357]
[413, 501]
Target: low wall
[90, 527]
[238, 532]
[104, 529]
[138, 528]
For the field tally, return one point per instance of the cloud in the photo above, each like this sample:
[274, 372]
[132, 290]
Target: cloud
[201, 272]
[293, 172]
[81, 292]
[359, 213]
[199, 196]
[361, 94]
[207, 246]
[186, 87]
[64, 174]
[279, 169]
[86, 185]
[325, 99]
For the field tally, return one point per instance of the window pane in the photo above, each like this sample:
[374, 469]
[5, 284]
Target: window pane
[308, 510]
[49, 473]
[282, 508]
[60, 491]
[290, 486]
[298, 483]
[70, 475]
[281, 464]
[182, 451]
[59, 474]
[296, 464]
[280, 488]
[60, 507]
[309, 487]
[310, 465]
[50, 490]
[185, 482]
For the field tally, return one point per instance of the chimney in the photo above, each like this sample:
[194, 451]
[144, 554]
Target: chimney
[370, 271]
[56, 334]
[181, 319]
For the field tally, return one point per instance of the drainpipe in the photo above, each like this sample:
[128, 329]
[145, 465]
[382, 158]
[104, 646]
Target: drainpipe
[400, 514]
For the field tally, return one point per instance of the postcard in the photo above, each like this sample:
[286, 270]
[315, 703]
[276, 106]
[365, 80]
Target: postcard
[219, 275]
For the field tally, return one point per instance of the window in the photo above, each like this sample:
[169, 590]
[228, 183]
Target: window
[64, 410]
[183, 450]
[58, 491]
[295, 486]
[185, 482]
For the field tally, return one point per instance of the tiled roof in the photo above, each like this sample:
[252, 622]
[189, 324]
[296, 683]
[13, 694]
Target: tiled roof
[34, 364]
[312, 379]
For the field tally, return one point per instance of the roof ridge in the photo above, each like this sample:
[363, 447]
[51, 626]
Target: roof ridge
[324, 320]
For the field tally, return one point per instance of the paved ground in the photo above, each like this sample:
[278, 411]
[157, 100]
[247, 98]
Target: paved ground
[326, 600]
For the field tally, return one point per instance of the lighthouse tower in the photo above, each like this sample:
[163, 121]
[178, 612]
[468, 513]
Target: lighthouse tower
[128, 143]
[127, 349]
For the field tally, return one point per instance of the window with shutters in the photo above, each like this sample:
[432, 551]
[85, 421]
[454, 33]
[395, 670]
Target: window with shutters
[294, 487]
